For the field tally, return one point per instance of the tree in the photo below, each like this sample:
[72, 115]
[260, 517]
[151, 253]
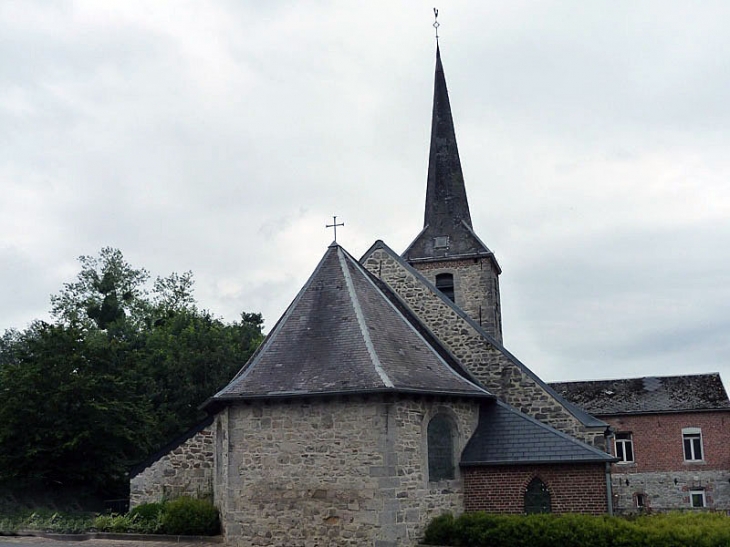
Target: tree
[124, 368]
[107, 290]
[72, 410]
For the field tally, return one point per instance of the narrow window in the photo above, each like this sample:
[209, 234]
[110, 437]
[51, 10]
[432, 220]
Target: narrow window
[624, 447]
[697, 498]
[537, 497]
[445, 283]
[640, 501]
[440, 438]
[692, 439]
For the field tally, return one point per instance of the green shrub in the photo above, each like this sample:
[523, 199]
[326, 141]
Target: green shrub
[440, 531]
[572, 530]
[189, 516]
[147, 511]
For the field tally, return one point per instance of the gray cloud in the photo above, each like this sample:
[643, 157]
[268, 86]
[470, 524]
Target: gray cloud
[221, 138]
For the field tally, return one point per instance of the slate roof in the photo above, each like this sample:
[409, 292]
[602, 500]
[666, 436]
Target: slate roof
[342, 335]
[506, 436]
[647, 395]
[579, 413]
[447, 208]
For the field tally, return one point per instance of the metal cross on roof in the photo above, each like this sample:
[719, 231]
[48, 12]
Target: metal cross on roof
[334, 225]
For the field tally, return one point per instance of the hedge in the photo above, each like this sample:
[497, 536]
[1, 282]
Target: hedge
[572, 530]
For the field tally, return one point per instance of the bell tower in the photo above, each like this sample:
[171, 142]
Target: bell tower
[447, 251]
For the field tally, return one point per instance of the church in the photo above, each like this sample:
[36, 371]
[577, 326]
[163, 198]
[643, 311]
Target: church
[383, 397]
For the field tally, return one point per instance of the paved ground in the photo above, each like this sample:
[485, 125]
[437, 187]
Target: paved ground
[25, 541]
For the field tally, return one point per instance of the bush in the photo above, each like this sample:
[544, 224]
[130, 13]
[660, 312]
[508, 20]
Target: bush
[189, 516]
[571, 530]
[147, 511]
[440, 531]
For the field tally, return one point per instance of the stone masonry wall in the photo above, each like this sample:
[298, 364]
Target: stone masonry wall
[476, 289]
[574, 488]
[659, 471]
[499, 374]
[336, 472]
[186, 470]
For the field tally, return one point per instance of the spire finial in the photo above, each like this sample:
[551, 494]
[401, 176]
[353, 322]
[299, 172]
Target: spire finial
[334, 225]
[436, 24]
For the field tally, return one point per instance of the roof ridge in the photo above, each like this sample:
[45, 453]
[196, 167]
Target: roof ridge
[254, 359]
[364, 331]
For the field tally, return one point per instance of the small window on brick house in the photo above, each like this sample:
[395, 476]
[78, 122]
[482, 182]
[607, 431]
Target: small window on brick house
[537, 497]
[697, 498]
[692, 439]
[445, 283]
[624, 447]
[440, 438]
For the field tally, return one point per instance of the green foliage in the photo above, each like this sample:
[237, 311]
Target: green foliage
[147, 511]
[122, 370]
[46, 521]
[189, 516]
[572, 530]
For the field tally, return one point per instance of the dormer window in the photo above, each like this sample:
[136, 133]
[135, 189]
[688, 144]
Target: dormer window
[445, 283]
[441, 242]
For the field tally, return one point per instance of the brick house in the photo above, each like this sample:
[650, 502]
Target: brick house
[384, 397]
[671, 436]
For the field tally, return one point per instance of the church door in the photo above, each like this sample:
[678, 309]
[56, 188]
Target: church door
[537, 497]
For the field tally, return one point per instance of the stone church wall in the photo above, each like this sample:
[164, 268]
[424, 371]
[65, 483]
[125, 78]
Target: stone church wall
[497, 372]
[351, 471]
[476, 287]
[185, 469]
[574, 488]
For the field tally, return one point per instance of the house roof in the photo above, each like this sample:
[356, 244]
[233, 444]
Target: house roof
[647, 395]
[579, 413]
[342, 335]
[506, 436]
[447, 213]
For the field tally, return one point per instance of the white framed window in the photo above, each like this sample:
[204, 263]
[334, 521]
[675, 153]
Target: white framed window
[624, 447]
[692, 440]
[697, 498]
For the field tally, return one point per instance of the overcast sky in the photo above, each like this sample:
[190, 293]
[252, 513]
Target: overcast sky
[221, 136]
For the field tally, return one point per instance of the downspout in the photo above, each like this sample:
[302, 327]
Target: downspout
[608, 435]
[609, 490]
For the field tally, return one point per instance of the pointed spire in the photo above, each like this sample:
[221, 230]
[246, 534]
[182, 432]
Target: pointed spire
[446, 203]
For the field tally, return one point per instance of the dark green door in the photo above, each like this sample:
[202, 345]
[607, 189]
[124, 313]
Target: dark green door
[537, 497]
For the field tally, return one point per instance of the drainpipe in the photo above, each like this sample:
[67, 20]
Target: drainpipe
[609, 491]
[608, 435]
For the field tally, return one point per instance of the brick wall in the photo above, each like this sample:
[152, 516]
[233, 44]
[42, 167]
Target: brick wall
[660, 473]
[184, 470]
[574, 488]
[501, 375]
[657, 440]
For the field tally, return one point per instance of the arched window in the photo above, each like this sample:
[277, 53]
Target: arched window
[440, 439]
[445, 283]
[537, 497]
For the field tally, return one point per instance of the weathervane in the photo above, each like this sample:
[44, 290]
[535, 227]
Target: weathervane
[334, 225]
[436, 24]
